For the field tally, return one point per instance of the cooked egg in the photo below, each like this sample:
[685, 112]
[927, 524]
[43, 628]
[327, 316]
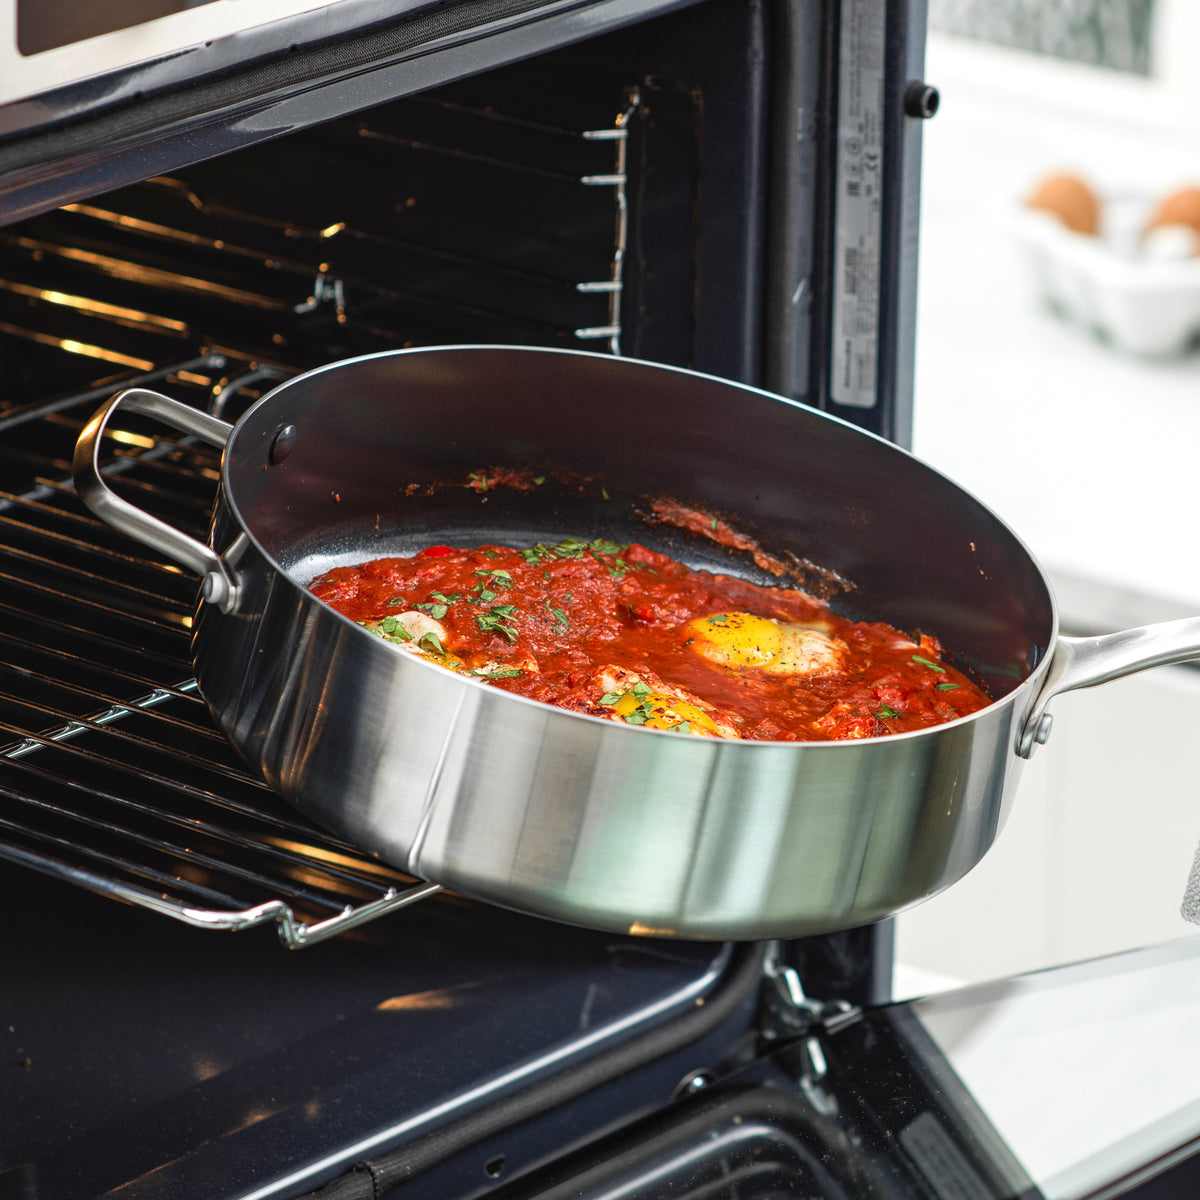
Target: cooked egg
[742, 641]
[645, 699]
[1071, 200]
[419, 634]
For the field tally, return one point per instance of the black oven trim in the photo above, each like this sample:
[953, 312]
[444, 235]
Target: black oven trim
[736, 993]
[59, 163]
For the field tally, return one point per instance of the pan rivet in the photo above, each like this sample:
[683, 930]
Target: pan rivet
[283, 443]
[1042, 732]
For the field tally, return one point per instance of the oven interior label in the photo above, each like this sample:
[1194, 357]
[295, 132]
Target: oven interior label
[857, 211]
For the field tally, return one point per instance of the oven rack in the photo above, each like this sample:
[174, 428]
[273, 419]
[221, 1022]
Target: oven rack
[448, 236]
[113, 776]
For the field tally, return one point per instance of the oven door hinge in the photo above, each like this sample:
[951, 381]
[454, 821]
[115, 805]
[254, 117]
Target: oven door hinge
[793, 1019]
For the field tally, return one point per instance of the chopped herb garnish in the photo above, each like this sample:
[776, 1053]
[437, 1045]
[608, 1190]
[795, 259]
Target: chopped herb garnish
[571, 548]
[610, 698]
[885, 711]
[498, 673]
[441, 599]
[714, 523]
[436, 611]
[396, 602]
[500, 575]
[718, 619]
[486, 594]
[539, 480]
[640, 690]
[947, 687]
[430, 641]
[926, 663]
[682, 727]
[498, 619]
[390, 629]
[639, 716]
[560, 618]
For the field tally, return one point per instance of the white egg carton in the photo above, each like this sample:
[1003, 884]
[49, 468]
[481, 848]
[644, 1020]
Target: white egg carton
[1142, 296]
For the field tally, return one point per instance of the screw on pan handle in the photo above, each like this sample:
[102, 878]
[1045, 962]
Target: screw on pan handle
[220, 584]
[1080, 662]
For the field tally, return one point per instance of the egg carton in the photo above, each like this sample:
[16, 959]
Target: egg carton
[1140, 294]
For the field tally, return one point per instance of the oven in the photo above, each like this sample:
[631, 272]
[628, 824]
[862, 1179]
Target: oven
[726, 186]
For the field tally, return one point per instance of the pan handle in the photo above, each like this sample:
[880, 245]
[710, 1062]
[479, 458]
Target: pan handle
[1081, 662]
[220, 585]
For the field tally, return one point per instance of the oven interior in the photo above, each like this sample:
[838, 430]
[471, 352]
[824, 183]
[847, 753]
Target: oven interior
[478, 212]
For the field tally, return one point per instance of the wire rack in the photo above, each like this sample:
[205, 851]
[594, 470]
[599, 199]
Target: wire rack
[112, 774]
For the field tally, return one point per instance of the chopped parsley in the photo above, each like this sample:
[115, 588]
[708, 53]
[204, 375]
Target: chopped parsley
[497, 672]
[498, 619]
[436, 611]
[948, 687]
[431, 641]
[390, 629]
[885, 711]
[499, 576]
[572, 547]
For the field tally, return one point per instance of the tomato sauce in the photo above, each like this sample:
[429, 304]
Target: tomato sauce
[628, 634]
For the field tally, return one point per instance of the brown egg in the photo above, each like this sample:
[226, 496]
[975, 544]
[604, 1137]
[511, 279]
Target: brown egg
[1181, 207]
[1071, 200]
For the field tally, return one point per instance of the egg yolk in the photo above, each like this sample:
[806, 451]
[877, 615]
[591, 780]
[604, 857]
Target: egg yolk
[742, 640]
[663, 712]
[736, 639]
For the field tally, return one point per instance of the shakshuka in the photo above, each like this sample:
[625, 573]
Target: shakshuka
[628, 634]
